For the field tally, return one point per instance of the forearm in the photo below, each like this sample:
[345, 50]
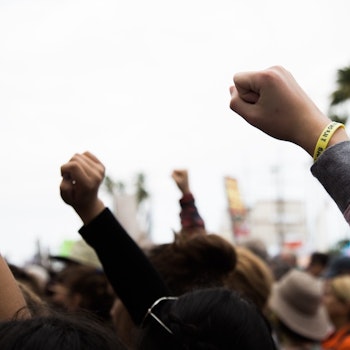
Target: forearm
[129, 271]
[11, 298]
[189, 215]
[325, 131]
[332, 169]
[90, 212]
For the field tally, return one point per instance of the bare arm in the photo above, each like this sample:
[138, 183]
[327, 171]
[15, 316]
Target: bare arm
[12, 302]
[272, 101]
[191, 221]
[180, 176]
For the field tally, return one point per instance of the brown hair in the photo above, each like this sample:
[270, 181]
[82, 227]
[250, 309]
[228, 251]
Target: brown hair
[341, 288]
[193, 262]
[252, 277]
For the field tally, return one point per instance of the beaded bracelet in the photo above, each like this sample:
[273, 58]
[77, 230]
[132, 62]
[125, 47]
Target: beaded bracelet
[324, 138]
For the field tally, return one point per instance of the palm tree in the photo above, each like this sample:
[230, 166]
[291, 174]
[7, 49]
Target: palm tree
[117, 188]
[340, 96]
[111, 186]
[141, 193]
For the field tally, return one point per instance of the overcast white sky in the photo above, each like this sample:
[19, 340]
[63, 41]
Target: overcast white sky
[144, 86]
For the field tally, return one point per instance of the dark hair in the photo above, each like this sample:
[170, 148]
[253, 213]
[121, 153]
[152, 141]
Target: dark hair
[199, 261]
[57, 332]
[207, 319]
[319, 258]
[21, 275]
[92, 285]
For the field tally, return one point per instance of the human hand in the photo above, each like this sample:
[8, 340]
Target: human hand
[81, 179]
[272, 101]
[181, 179]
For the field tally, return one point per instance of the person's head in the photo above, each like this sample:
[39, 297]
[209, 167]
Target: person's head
[297, 313]
[185, 264]
[337, 266]
[252, 277]
[336, 298]
[257, 246]
[77, 253]
[317, 263]
[193, 262]
[214, 318]
[57, 332]
[82, 287]
[282, 263]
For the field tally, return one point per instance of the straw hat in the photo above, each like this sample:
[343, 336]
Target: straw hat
[79, 252]
[296, 299]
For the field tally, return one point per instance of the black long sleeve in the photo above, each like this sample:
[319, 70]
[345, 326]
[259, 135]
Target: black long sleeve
[332, 170]
[128, 269]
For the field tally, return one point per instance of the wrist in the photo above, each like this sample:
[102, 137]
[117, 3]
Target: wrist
[333, 133]
[339, 135]
[309, 131]
[186, 198]
[185, 190]
[88, 213]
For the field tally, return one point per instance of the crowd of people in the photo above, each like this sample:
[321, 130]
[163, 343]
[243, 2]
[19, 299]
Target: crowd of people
[199, 291]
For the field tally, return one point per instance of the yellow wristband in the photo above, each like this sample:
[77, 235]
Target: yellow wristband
[324, 138]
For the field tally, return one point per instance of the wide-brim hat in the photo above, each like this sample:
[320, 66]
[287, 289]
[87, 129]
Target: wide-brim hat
[296, 299]
[78, 252]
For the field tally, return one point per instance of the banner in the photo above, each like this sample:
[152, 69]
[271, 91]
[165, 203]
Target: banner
[237, 209]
